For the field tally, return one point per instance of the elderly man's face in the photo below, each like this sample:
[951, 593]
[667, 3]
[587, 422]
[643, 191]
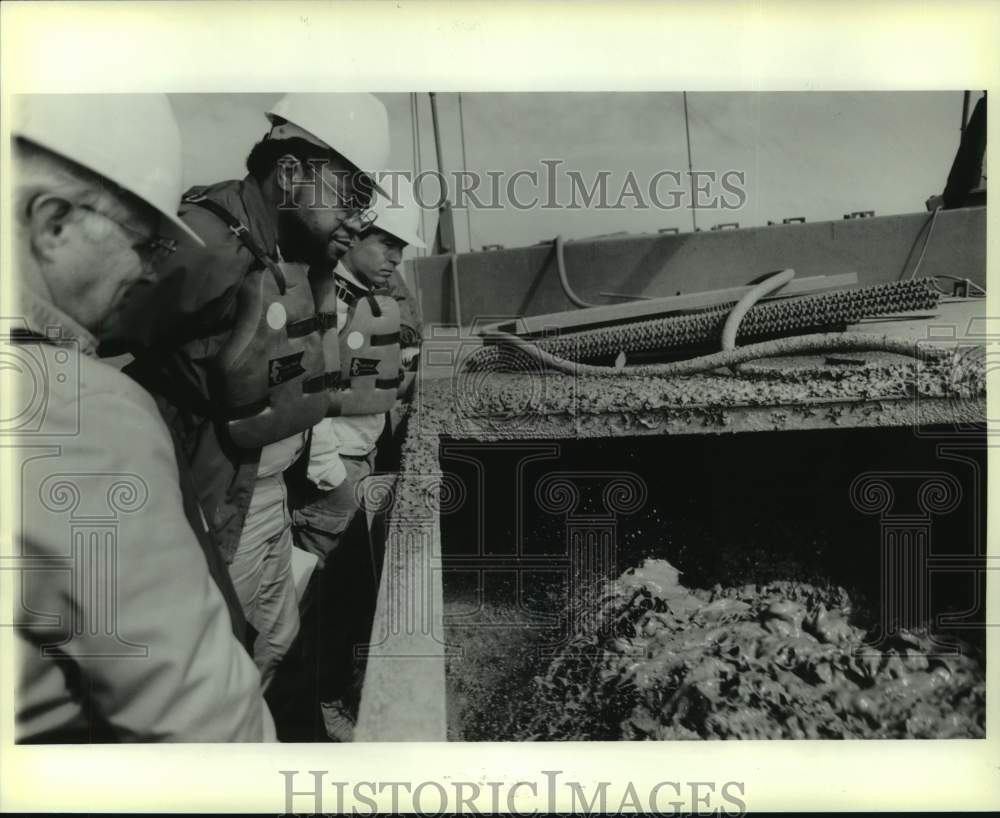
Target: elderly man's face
[92, 257]
[375, 256]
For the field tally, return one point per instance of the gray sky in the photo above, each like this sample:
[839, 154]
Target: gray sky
[817, 155]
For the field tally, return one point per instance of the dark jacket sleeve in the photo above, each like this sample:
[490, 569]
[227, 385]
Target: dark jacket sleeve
[411, 329]
[195, 291]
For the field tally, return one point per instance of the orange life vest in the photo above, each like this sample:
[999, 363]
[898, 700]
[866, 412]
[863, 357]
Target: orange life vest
[269, 372]
[370, 372]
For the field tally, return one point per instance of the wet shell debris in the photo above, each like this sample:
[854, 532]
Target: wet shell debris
[778, 661]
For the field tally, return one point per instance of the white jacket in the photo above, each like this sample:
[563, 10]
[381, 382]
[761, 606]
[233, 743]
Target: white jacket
[99, 502]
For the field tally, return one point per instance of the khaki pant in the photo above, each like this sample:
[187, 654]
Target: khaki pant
[261, 571]
[341, 599]
[320, 524]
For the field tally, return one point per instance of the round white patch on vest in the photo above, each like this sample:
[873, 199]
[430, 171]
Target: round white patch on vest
[355, 340]
[276, 315]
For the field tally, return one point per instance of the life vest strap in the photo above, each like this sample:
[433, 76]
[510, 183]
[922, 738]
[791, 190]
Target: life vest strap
[242, 232]
[247, 410]
[352, 290]
[385, 339]
[320, 322]
[320, 383]
[332, 380]
[389, 383]
[345, 295]
[297, 329]
[326, 321]
[350, 293]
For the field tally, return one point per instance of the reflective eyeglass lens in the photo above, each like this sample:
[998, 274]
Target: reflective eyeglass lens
[156, 249]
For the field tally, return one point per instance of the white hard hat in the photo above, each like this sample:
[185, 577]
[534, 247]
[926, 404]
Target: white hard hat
[129, 139]
[399, 214]
[354, 125]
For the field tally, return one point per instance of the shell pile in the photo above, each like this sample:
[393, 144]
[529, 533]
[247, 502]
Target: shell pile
[776, 661]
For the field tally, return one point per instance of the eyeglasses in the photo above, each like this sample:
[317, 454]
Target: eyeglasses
[154, 248]
[366, 216]
[363, 213]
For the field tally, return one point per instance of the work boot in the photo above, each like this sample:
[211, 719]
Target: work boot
[338, 721]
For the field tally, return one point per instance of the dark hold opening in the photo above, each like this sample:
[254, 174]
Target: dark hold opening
[723, 509]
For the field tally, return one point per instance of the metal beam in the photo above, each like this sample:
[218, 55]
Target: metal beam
[522, 281]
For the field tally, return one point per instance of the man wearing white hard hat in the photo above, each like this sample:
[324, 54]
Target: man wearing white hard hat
[399, 222]
[343, 448]
[236, 358]
[121, 632]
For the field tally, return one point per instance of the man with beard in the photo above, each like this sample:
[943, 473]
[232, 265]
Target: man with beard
[234, 355]
[344, 447]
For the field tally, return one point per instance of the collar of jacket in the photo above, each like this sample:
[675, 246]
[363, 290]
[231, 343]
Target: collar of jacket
[342, 271]
[46, 319]
[262, 216]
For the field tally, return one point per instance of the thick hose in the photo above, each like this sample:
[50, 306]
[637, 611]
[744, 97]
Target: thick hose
[798, 345]
[768, 319]
[732, 325]
[769, 285]
[564, 280]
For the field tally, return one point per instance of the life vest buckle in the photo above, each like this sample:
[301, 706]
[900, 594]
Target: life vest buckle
[326, 321]
[238, 229]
